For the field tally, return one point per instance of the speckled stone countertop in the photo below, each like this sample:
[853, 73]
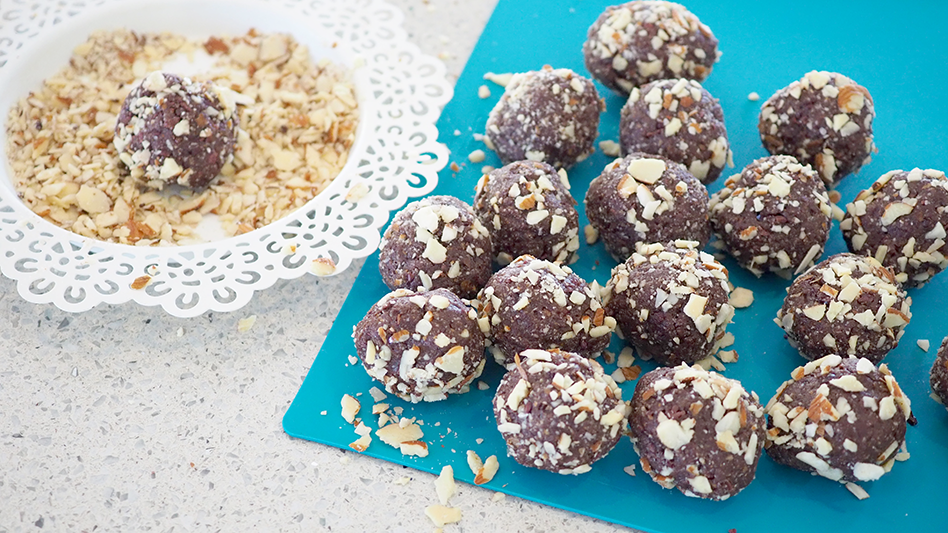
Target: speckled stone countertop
[126, 419]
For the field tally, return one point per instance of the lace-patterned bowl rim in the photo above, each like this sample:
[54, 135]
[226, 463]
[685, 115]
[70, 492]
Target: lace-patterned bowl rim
[395, 155]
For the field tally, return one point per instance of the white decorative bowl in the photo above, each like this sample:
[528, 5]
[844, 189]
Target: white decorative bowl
[395, 154]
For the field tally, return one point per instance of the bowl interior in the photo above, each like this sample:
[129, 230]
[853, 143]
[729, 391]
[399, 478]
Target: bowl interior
[45, 54]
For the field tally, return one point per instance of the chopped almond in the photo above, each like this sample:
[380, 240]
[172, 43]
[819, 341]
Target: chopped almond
[487, 472]
[413, 447]
[445, 485]
[441, 515]
[350, 408]
[474, 462]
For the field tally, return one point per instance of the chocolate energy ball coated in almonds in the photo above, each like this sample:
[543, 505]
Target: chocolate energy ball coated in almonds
[546, 115]
[696, 431]
[532, 303]
[527, 209]
[774, 216]
[848, 304]
[680, 120]
[173, 130]
[824, 120]
[939, 374]
[842, 419]
[421, 346]
[559, 411]
[436, 242]
[644, 198]
[634, 43]
[901, 221]
[670, 302]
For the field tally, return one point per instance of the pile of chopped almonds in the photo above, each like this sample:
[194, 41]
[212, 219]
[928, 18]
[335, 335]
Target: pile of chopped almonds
[293, 140]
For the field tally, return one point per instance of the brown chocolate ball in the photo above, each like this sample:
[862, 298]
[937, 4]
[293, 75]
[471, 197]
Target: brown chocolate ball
[697, 431]
[774, 216]
[680, 120]
[436, 242]
[173, 130]
[842, 419]
[638, 42]
[939, 373]
[901, 221]
[546, 427]
[824, 120]
[421, 346]
[643, 199]
[532, 303]
[670, 302]
[546, 115]
[527, 209]
[849, 305]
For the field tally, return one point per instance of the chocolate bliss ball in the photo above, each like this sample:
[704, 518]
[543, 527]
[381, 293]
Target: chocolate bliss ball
[173, 130]
[436, 242]
[643, 199]
[680, 120]
[421, 346]
[824, 120]
[532, 303]
[849, 305]
[546, 115]
[635, 43]
[670, 302]
[697, 431]
[559, 411]
[774, 216]
[843, 419]
[901, 221]
[527, 209]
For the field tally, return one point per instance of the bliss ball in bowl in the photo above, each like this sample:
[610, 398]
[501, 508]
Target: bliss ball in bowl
[635, 43]
[172, 130]
[824, 120]
[549, 115]
[680, 120]
[643, 198]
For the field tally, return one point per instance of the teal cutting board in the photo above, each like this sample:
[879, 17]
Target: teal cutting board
[900, 53]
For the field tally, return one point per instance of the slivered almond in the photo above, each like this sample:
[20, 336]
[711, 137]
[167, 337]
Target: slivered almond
[350, 408]
[626, 186]
[741, 298]
[895, 210]
[442, 515]
[361, 444]
[850, 99]
[394, 434]
[474, 462]
[487, 471]
[445, 485]
[413, 447]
